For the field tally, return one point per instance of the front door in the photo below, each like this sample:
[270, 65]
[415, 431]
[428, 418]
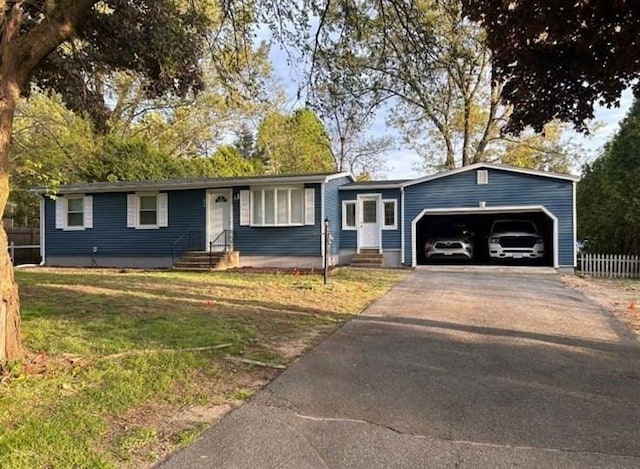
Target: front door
[218, 220]
[369, 226]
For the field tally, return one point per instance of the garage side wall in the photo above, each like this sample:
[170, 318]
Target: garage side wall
[504, 189]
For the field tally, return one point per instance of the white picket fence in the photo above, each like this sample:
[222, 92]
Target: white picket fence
[609, 265]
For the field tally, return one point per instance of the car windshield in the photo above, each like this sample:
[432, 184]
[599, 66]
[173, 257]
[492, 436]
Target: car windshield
[453, 231]
[521, 226]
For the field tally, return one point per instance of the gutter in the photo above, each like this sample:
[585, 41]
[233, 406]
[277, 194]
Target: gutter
[42, 230]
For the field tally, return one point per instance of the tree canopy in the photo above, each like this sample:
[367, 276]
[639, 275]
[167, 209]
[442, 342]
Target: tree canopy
[293, 144]
[559, 58]
[608, 196]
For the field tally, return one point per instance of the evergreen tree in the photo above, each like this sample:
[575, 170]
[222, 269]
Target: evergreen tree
[608, 196]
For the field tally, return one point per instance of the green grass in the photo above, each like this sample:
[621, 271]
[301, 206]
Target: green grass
[113, 364]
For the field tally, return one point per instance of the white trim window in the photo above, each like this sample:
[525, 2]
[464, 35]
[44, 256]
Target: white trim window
[74, 212]
[482, 176]
[280, 206]
[147, 210]
[390, 214]
[349, 214]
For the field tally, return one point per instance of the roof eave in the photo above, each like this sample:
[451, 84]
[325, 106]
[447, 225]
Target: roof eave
[370, 187]
[151, 185]
[513, 169]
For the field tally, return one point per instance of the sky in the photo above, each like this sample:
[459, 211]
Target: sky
[402, 161]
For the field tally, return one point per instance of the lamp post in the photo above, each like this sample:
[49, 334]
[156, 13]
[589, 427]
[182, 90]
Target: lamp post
[327, 244]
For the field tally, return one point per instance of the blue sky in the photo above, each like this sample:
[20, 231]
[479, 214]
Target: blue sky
[402, 161]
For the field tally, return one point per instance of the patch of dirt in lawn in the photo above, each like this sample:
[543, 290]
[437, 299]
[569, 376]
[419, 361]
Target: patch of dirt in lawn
[292, 349]
[620, 297]
[176, 425]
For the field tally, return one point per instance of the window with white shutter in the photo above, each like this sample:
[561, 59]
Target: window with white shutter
[147, 210]
[74, 212]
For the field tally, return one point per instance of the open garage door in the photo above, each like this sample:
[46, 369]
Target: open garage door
[521, 236]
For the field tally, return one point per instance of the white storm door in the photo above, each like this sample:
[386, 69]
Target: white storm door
[218, 219]
[369, 223]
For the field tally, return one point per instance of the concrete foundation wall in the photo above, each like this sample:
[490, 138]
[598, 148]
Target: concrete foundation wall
[392, 258]
[301, 262]
[111, 261]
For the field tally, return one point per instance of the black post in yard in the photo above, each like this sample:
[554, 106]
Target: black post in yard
[326, 250]
[210, 254]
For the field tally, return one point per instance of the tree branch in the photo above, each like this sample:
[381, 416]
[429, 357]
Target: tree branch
[58, 26]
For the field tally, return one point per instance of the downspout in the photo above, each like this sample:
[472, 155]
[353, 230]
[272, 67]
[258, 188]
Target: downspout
[42, 230]
[402, 224]
[322, 225]
[575, 227]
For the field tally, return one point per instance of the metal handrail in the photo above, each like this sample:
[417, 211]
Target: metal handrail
[189, 236]
[228, 240]
[228, 244]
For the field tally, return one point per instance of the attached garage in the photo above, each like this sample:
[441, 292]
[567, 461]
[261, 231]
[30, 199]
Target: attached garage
[437, 232]
[473, 198]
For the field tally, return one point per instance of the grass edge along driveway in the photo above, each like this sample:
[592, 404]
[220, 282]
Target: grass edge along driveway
[128, 366]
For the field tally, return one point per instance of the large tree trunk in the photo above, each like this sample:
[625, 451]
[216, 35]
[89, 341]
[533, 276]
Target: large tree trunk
[10, 344]
[20, 53]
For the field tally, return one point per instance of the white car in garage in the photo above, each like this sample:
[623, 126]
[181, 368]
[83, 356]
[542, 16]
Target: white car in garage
[515, 239]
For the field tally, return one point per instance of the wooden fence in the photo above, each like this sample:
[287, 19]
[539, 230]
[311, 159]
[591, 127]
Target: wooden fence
[23, 236]
[609, 265]
[24, 245]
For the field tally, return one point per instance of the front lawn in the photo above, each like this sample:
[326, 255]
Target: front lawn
[127, 366]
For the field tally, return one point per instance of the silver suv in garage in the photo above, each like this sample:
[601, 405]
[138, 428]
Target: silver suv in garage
[515, 239]
[453, 242]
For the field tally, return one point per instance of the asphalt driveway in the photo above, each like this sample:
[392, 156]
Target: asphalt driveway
[450, 369]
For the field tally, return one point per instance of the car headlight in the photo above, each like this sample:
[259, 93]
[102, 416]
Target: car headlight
[539, 240]
[494, 240]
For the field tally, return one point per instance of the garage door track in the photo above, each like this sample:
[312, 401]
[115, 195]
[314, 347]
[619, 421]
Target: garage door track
[450, 369]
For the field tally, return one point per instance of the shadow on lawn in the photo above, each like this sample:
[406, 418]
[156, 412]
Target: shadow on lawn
[65, 320]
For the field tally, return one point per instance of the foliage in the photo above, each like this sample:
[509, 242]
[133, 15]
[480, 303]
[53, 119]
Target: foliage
[546, 150]
[162, 41]
[558, 58]
[195, 124]
[430, 66]
[294, 144]
[608, 196]
[52, 146]
[245, 143]
[347, 120]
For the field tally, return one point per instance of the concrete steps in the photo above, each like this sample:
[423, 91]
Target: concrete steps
[367, 259]
[205, 261]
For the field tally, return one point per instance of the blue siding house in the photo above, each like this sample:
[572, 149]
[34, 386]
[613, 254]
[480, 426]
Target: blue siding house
[280, 221]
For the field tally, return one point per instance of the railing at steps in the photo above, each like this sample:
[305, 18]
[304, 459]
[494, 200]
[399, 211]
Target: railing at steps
[189, 241]
[222, 243]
